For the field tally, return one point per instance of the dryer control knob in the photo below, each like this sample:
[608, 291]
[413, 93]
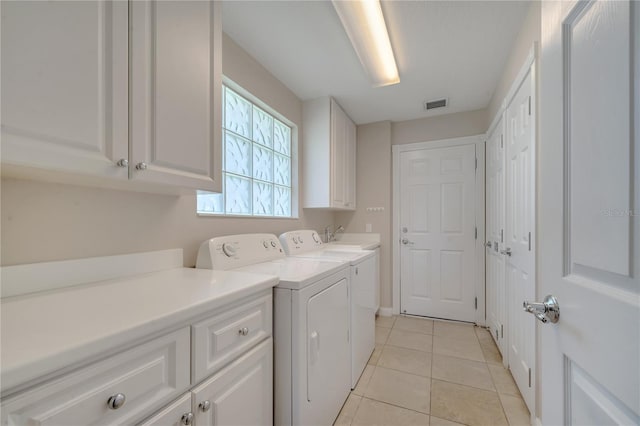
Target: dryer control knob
[228, 249]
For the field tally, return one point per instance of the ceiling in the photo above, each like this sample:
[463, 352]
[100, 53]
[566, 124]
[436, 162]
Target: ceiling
[452, 49]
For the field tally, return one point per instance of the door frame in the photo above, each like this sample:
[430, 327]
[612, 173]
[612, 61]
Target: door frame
[479, 284]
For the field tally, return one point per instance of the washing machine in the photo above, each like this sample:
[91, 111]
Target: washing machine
[311, 324]
[362, 289]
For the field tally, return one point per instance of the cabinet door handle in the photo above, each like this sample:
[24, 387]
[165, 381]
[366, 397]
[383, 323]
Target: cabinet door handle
[243, 331]
[204, 406]
[123, 162]
[187, 419]
[141, 166]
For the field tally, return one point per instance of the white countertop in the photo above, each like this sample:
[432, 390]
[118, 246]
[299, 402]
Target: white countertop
[44, 332]
[364, 241]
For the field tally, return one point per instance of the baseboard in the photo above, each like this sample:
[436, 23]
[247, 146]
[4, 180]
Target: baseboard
[537, 421]
[385, 312]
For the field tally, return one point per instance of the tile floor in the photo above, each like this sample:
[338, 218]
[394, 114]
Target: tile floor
[433, 372]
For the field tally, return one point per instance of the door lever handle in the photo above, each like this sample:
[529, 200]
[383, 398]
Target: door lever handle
[547, 311]
[506, 252]
[488, 244]
[406, 241]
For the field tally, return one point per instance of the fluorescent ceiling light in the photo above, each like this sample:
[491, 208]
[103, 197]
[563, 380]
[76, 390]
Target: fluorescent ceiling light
[364, 23]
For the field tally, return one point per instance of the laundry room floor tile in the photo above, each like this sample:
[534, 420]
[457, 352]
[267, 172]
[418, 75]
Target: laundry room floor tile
[461, 371]
[467, 405]
[410, 340]
[461, 347]
[372, 413]
[417, 325]
[386, 322]
[407, 360]
[455, 375]
[398, 388]
[382, 334]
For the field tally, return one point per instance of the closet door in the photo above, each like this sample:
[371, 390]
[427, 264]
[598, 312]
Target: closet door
[64, 86]
[519, 251]
[495, 212]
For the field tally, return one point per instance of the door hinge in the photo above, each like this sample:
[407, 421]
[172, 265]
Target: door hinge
[501, 141]
[529, 105]
[496, 334]
[476, 163]
[502, 235]
[501, 331]
[476, 233]
[529, 377]
[476, 303]
[529, 240]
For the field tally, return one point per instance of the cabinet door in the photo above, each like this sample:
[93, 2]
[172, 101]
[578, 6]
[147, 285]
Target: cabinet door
[241, 393]
[64, 86]
[338, 155]
[350, 165]
[176, 92]
[172, 414]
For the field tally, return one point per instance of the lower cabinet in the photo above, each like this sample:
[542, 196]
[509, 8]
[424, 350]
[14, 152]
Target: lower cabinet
[239, 394]
[142, 382]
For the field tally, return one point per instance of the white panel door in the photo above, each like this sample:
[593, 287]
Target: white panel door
[64, 86]
[495, 212]
[589, 213]
[519, 231]
[437, 221]
[241, 393]
[175, 93]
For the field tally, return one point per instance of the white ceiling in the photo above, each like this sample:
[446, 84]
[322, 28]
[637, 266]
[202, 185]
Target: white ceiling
[450, 49]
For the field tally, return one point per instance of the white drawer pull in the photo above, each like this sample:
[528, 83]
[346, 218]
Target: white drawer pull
[243, 331]
[116, 401]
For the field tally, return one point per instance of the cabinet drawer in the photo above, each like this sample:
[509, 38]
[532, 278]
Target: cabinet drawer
[147, 375]
[221, 338]
[171, 414]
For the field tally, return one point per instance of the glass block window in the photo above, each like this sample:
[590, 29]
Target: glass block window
[256, 168]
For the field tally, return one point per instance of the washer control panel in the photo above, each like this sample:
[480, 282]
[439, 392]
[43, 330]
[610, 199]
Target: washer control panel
[302, 241]
[234, 251]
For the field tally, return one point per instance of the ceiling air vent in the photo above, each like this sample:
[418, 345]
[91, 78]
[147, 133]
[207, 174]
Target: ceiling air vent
[440, 103]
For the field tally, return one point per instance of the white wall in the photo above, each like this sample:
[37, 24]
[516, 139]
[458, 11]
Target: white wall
[529, 33]
[46, 221]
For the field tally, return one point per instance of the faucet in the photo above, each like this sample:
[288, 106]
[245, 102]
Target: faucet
[331, 236]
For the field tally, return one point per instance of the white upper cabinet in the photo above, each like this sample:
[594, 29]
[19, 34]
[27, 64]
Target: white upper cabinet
[329, 156]
[175, 93]
[64, 86]
[114, 89]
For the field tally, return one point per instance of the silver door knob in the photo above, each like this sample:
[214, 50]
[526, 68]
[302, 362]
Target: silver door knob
[488, 244]
[123, 162]
[141, 166]
[406, 241]
[243, 331]
[506, 252]
[116, 401]
[204, 406]
[547, 311]
[187, 419]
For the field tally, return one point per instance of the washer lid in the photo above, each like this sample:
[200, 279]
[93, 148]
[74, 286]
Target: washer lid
[296, 273]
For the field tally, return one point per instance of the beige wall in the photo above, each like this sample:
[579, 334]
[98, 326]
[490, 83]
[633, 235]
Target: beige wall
[374, 190]
[529, 33]
[468, 123]
[46, 221]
